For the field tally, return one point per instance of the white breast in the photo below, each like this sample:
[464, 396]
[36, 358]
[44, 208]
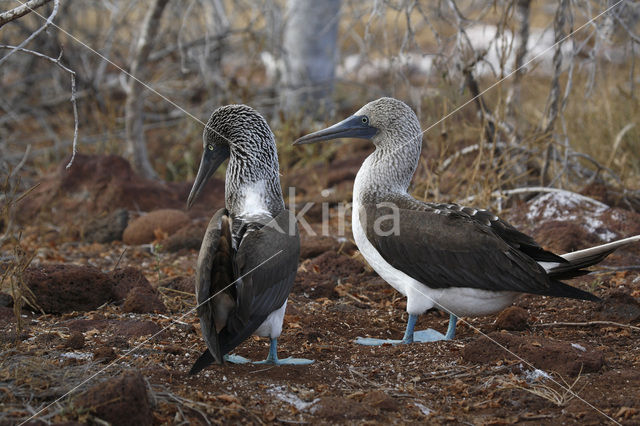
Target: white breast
[253, 203]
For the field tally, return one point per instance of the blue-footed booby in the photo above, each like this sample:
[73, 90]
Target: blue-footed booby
[465, 261]
[249, 255]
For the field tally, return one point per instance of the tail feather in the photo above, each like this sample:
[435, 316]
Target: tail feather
[580, 259]
[205, 360]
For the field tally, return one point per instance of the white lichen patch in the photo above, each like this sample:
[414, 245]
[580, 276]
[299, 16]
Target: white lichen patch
[77, 355]
[565, 206]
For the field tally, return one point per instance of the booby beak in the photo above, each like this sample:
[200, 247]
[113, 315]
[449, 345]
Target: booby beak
[356, 126]
[209, 163]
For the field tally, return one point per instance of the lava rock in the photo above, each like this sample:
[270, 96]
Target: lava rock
[107, 228]
[105, 354]
[75, 341]
[335, 409]
[127, 279]
[188, 237]
[6, 300]
[180, 283]
[318, 277]
[619, 307]
[513, 318]
[122, 400]
[147, 228]
[63, 288]
[545, 354]
[142, 301]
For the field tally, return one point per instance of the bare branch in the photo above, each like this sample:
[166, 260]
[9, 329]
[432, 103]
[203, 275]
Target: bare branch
[20, 11]
[48, 22]
[73, 91]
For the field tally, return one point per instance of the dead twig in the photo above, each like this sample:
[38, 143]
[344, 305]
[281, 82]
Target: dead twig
[20, 11]
[587, 324]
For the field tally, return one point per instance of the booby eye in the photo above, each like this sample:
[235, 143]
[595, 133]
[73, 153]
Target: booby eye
[210, 146]
[365, 120]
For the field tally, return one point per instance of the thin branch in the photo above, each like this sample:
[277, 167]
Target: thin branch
[587, 324]
[73, 90]
[20, 11]
[54, 12]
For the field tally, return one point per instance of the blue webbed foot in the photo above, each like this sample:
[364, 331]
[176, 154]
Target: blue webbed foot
[273, 359]
[371, 341]
[236, 359]
[428, 335]
[286, 361]
[411, 336]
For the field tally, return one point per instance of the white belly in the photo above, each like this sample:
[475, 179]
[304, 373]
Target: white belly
[461, 301]
[272, 326]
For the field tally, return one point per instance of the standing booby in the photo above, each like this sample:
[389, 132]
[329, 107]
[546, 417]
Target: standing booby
[462, 260]
[249, 255]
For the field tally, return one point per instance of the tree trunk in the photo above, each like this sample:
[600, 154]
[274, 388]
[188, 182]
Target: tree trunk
[310, 52]
[136, 146]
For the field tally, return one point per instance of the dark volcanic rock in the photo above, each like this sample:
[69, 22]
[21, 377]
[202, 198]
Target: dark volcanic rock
[135, 328]
[513, 318]
[312, 246]
[142, 301]
[107, 228]
[180, 283]
[122, 400]
[149, 227]
[318, 277]
[619, 307]
[545, 354]
[96, 184]
[75, 341]
[127, 279]
[6, 300]
[188, 237]
[6, 315]
[104, 354]
[63, 288]
[335, 409]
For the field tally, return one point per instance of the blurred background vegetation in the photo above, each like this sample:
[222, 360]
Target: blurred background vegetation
[561, 105]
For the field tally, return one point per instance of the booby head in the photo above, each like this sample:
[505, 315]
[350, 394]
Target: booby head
[387, 122]
[240, 133]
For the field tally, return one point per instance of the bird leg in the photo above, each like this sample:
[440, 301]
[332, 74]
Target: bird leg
[272, 358]
[411, 336]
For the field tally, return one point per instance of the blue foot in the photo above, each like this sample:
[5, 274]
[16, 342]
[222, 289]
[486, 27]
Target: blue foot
[411, 336]
[273, 359]
[428, 335]
[236, 359]
[418, 337]
[286, 361]
[370, 341]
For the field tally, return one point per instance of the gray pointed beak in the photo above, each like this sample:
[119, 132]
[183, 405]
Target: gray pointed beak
[209, 163]
[356, 126]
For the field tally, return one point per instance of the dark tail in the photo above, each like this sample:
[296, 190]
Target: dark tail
[205, 360]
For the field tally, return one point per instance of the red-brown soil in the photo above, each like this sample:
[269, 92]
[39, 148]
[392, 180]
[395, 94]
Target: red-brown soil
[546, 361]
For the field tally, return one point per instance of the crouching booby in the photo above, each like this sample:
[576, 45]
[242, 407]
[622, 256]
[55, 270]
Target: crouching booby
[249, 255]
[462, 260]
